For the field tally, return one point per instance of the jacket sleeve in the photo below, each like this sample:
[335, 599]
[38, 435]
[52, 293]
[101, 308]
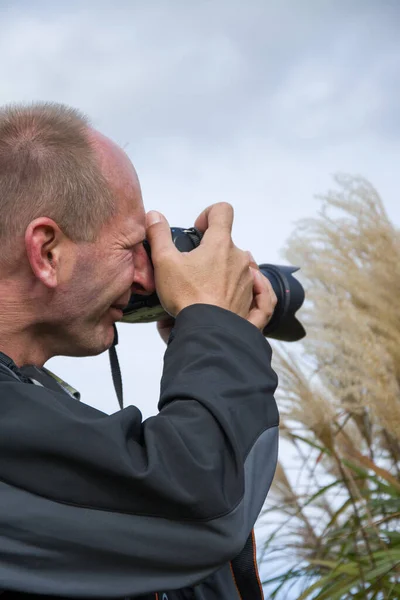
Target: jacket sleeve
[93, 505]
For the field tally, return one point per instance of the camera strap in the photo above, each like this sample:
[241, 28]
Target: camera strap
[116, 370]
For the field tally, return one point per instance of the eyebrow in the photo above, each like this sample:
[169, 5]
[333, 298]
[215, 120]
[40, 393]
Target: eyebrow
[133, 240]
[132, 243]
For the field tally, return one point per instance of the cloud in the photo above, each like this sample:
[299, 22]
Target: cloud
[209, 71]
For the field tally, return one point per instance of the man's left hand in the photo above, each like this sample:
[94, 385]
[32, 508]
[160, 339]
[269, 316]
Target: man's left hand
[164, 327]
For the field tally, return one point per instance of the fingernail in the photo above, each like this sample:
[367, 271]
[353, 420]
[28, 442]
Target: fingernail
[153, 217]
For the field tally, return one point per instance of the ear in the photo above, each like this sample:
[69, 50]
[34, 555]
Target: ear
[44, 242]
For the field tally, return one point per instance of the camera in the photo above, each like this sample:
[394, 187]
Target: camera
[283, 325]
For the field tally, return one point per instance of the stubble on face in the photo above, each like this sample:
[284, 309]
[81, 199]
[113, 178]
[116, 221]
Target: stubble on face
[104, 271]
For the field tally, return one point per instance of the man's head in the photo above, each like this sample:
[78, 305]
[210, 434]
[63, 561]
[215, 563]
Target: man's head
[71, 226]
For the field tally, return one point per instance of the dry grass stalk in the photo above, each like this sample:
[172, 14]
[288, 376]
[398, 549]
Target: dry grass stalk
[340, 398]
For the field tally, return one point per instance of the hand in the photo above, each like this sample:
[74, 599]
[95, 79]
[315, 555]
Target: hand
[264, 298]
[164, 328]
[217, 272]
[261, 310]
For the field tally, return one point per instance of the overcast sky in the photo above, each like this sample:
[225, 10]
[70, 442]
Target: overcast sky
[257, 103]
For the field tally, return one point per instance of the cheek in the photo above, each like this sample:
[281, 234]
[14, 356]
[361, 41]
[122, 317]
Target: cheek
[128, 263]
[93, 285]
[120, 275]
[83, 287]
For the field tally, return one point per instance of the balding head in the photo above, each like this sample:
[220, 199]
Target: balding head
[62, 185]
[115, 166]
[49, 166]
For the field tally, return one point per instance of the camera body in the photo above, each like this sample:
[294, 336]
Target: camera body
[283, 326]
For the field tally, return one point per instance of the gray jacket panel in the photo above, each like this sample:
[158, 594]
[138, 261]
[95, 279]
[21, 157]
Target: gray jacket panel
[99, 506]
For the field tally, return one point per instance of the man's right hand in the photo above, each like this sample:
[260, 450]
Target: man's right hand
[216, 272]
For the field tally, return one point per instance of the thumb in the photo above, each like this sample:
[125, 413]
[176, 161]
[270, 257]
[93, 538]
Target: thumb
[158, 234]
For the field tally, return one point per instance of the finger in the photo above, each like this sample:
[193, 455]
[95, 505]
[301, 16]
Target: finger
[258, 283]
[164, 328]
[158, 233]
[274, 298]
[252, 260]
[265, 284]
[218, 218]
[166, 323]
[164, 332]
[263, 300]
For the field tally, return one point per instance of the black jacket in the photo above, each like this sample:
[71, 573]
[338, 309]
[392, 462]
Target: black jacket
[110, 506]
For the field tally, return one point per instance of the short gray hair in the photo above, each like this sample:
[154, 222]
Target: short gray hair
[48, 167]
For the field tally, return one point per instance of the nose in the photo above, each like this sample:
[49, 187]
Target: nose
[143, 281]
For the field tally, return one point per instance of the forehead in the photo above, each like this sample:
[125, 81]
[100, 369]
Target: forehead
[123, 181]
[115, 165]
[130, 225]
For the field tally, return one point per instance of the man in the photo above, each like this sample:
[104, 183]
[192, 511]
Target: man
[98, 506]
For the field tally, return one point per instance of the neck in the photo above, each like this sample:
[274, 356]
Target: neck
[19, 338]
[21, 346]
[21, 353]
